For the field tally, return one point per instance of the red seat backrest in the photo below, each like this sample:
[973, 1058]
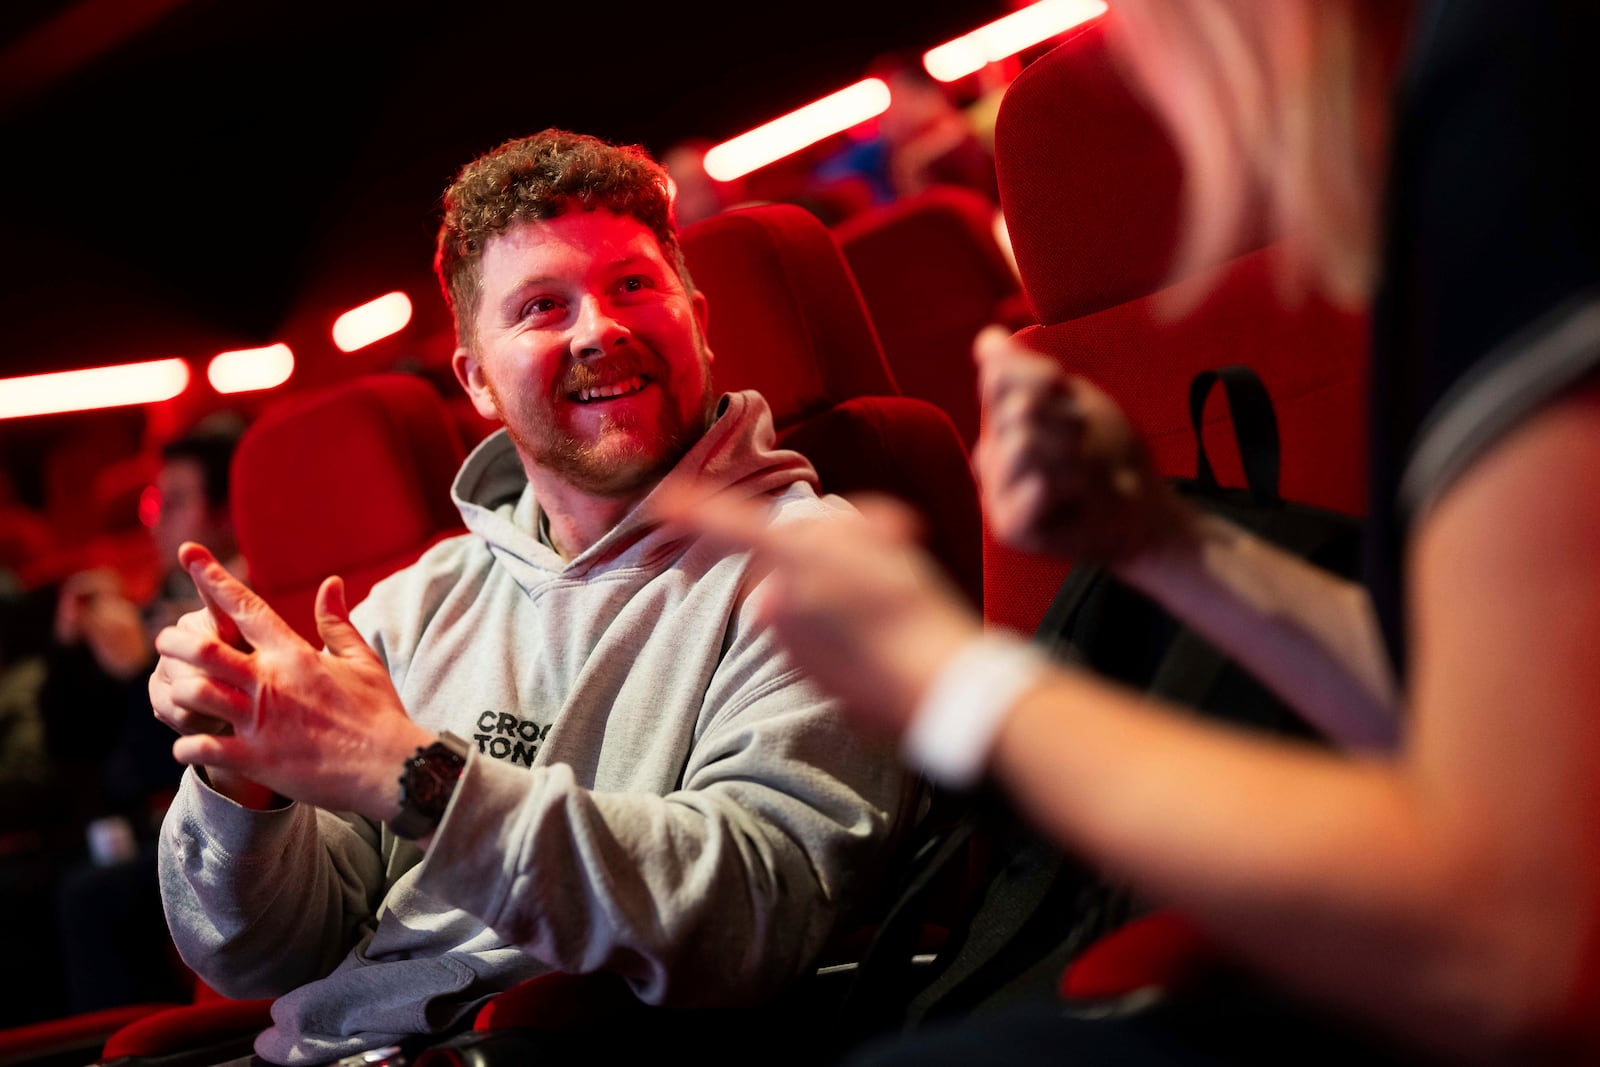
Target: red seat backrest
[787, 319]
[1091, 187]
[351, 479]
[933, 274]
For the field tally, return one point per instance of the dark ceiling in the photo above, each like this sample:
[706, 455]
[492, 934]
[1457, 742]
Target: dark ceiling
[184, 174]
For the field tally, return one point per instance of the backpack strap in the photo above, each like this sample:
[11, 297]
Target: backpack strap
[1192, 664]
[1255, 429]
[1057, 625]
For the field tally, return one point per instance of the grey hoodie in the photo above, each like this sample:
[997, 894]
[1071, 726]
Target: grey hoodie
[653, 789]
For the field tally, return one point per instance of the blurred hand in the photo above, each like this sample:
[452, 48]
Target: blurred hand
[78, 593]
[93, 609]
[1062, 470]
[114, 630]
[323, 727]
[856, 602]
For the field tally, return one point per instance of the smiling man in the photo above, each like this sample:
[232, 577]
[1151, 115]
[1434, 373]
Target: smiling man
[590, 348]
[561, 741]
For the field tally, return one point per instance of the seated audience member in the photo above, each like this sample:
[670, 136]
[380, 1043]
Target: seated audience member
[102, 735]
[96, 697]
[37, 835]
[922, 139]
[1432, 893]
[25, 538]
[24, 763]
[26, 609]
[561, 741]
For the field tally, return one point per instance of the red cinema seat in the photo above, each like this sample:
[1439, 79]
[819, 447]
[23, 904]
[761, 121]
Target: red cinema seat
[933, 274]
[28, 547]
[352, 479]
[787, 319]
[209, 1022]
[1091, 187]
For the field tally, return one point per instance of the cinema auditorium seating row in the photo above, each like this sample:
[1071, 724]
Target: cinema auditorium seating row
[933, 273]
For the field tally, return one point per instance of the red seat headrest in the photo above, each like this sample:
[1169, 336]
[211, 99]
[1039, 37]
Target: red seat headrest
[781, 295]
[352, 479]
[1089, 179]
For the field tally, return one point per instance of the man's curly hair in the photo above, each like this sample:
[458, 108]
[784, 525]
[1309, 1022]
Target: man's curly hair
[540, 177]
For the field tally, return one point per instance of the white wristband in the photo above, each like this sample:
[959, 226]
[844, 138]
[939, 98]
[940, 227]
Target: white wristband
[954, 728]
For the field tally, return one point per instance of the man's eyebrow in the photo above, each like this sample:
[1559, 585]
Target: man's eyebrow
[534, 280]
[509, 300]
[630, 260]
[531, 280]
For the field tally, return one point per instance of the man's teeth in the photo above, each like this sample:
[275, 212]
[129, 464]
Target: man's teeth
[606, 392]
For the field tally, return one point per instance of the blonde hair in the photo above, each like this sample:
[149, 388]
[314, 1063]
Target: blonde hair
[1274, 104]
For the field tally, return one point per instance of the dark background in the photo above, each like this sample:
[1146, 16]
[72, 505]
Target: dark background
[182, 177]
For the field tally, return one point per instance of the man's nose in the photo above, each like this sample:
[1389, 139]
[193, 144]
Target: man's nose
[596, 329]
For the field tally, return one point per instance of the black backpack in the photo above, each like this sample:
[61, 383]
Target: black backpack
[1036, 905]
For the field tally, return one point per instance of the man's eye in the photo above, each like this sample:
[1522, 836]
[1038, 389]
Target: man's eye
[633, 283]
[539, 306]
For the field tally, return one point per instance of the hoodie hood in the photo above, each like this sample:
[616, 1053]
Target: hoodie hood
[738, 454]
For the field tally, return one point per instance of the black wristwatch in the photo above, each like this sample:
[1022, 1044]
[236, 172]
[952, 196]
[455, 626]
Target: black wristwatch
[426, 784]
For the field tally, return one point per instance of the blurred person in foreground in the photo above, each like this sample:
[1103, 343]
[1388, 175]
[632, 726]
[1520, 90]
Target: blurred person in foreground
[559, 741]
[1431, 893]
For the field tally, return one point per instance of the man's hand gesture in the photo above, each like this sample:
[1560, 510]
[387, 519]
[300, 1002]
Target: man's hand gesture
[253, 699]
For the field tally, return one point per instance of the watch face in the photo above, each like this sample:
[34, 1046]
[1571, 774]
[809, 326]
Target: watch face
[426, 785]
[435, 781]
[432, 780]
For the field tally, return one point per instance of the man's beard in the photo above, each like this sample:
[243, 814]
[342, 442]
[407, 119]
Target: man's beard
[603, 467]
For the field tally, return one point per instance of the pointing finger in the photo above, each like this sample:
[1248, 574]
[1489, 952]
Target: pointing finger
[227, 629]
[256, 624]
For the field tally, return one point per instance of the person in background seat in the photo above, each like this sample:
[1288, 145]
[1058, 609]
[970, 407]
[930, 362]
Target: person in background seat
[108, 748]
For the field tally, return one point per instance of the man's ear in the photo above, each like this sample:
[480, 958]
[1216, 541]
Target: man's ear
[702, 318]
[469, 372]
